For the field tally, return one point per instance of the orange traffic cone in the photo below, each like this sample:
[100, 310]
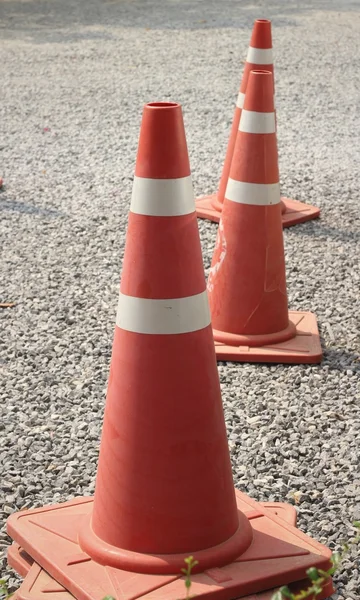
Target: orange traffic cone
[247, 286]
[164, 487]
[259, 57]
[163, 371]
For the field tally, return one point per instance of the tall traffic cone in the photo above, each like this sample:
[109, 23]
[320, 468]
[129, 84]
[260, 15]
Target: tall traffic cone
[164, 486]
[164, 371]
[247, 285]
[259, 57]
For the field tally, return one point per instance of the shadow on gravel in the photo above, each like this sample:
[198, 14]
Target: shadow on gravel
[43, 20]
[319, 230]
[28, 209]
[339, 359]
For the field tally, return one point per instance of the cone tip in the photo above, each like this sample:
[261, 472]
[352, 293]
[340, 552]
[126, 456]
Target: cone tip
[259, 95]
[261, 34]
[162, 151]
[162, 105]
[257, 72]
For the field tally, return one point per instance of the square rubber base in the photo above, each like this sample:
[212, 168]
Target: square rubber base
[21, 562]
[304, 348]
[278, 555]
[38, 585]
[296, 212]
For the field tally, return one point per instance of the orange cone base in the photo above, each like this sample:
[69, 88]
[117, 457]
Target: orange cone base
[38, 585]
[166, 564]
[304, 348]
[268, 339]
[296, 212]
[21, 561]
[205, 208]
[279, 555]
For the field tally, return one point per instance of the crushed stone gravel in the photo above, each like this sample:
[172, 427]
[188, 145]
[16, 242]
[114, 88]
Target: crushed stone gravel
[74, 77]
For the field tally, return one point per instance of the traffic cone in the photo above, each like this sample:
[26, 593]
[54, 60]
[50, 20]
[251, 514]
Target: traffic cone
[164, 371]
[259, 57]
[247, 285]
[164, 487]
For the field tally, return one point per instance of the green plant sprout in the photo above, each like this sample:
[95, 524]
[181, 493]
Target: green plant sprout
[318, 577]
[190, 564]
[4, 594]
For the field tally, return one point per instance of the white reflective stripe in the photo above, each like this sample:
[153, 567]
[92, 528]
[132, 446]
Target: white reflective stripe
[260, 194]
[240, 100]
[260, 56]
[162, 197]
[257, 122]
[178, 315]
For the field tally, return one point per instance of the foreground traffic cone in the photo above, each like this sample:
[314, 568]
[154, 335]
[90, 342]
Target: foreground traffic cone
[259, 57]
[164, 486]
[163, 383]
[247, 285]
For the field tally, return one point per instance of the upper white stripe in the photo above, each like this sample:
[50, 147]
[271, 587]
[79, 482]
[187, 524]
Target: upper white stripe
[260, 56]
[162, 197]
[257, 122]
[261, 194]
[240, 100]
[177, 315]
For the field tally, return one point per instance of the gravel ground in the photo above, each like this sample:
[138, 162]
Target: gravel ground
[74, 77]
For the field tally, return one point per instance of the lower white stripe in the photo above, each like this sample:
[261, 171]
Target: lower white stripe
[261, 194]
[260, 56]
[177, 315]
[240, 100]
[162, 197]
[257, 122]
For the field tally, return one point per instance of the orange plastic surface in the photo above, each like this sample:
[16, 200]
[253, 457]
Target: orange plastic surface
[279, 555]
[287, 512]
[19, 560]
[296, 212]
[38, 585]
[304, 348]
